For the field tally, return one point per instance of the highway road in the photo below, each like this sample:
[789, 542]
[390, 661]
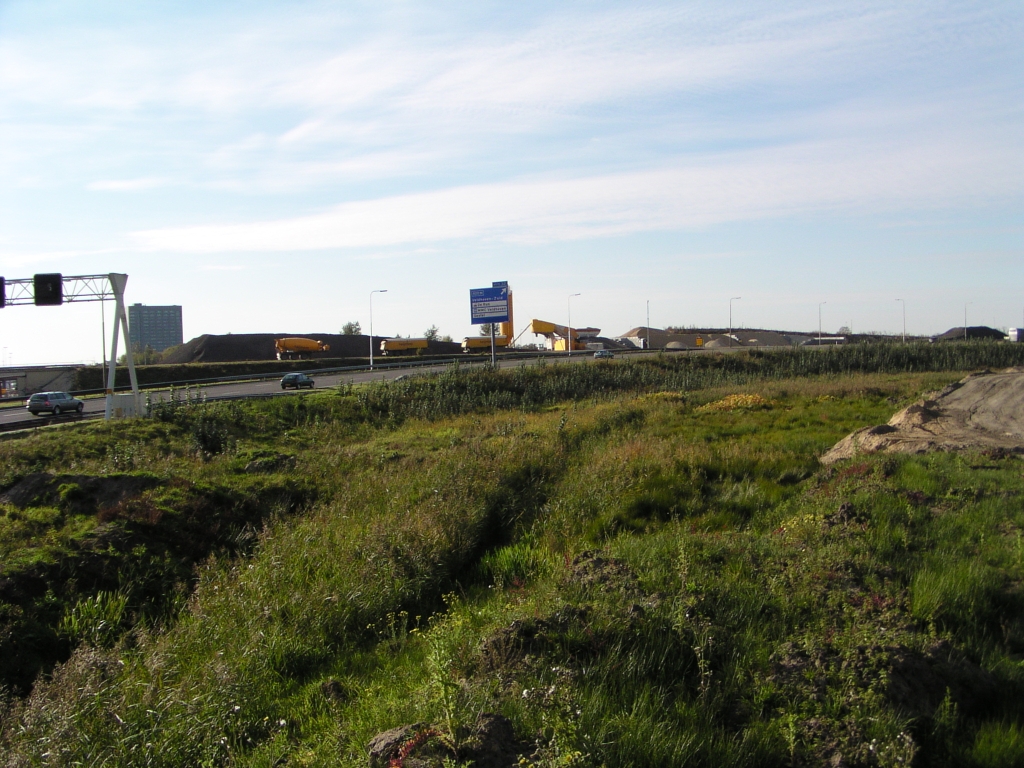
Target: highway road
[16, 417]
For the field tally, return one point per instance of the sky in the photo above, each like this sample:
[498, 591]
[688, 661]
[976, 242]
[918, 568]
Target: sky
[268, 165]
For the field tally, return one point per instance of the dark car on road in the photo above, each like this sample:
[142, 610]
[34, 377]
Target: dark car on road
[53, 402]
[296, 380]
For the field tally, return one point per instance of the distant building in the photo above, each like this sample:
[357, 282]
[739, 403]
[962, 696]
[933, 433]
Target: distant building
[154, 327]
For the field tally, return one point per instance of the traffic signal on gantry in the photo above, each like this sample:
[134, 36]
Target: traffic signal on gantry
[48, 289]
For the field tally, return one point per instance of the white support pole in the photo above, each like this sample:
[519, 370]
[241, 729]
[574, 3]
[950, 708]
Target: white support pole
[108, 410]
[117, 284]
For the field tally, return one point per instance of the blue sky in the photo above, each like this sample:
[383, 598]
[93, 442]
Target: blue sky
[266, 165]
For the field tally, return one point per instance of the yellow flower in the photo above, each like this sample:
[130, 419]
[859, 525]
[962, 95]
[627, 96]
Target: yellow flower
[734, 402]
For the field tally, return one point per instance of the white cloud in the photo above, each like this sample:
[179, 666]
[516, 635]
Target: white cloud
[272, 103]
[742, 186]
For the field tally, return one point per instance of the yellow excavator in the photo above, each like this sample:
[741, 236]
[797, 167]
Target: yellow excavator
[558, 336]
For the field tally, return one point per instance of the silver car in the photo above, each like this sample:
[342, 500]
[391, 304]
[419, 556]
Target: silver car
[53, 402]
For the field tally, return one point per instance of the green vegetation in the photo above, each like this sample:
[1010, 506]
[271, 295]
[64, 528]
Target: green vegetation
[636, 563]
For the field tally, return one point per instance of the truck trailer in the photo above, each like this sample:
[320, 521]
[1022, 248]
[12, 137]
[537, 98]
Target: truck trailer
[297, 347]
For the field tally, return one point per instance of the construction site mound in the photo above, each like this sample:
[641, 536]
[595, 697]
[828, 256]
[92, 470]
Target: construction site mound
[984, 410]
[971, 332]
[238, 347]
[679, 339]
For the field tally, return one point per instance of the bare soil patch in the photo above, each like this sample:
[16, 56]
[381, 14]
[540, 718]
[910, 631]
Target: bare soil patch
[984, 410]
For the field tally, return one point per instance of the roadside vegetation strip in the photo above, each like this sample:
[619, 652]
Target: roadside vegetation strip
[35, 422]
[458, 391]
[630, 580]
[867, 358]
[91, 379]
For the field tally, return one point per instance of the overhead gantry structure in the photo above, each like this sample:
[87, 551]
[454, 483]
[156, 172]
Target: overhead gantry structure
[54, 289]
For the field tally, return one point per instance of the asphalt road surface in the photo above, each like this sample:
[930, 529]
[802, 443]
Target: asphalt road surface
[11, 416]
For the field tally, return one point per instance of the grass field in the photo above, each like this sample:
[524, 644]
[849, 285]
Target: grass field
[637, 564]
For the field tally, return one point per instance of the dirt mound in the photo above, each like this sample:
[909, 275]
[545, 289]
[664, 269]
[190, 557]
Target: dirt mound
[971, 332]
[594, 569]
[509, 647]
[984, 410]
[491, 743]
[237, 347]
[918, 683]
[85, 494]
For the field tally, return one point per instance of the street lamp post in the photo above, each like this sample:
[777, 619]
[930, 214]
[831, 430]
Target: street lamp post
[901, 301]
[648, 323]
[382, 290]
[734, 298]
[965, 318]
[819, 320]
[568, 304]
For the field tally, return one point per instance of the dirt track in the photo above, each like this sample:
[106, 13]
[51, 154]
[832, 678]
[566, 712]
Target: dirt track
[981, 411]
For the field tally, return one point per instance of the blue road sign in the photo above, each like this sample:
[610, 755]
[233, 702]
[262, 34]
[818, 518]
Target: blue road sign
[488, 305]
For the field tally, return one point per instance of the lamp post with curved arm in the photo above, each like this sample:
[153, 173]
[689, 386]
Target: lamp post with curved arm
[568, 304]
[819, 320]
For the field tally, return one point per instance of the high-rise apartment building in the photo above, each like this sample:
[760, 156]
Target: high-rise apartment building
[154, 327]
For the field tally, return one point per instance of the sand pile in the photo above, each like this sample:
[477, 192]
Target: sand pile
[984, 410]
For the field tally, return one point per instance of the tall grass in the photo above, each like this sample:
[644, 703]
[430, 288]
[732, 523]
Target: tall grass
[217, 683]
[738, 605]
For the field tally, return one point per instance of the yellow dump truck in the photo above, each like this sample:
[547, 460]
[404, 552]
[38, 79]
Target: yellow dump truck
[483, 343]
[295, 346]
[404, 346]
